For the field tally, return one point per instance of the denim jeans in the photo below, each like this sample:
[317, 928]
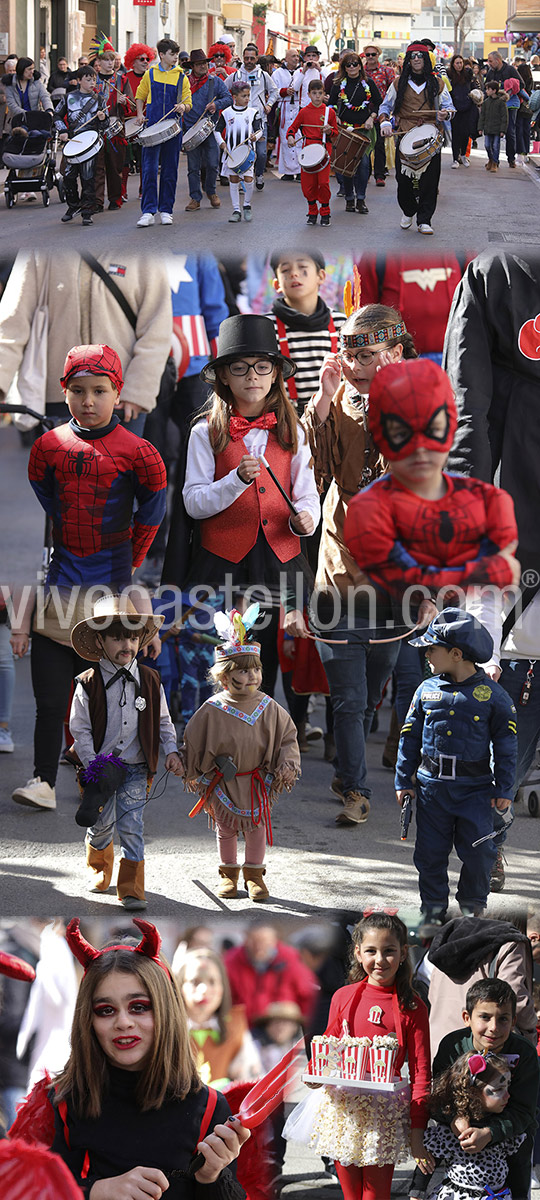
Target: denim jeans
[355, 185]
[357, 673]
[408, 676]
[527, 719]
[125, 810]
[7, 675]
[261, 148]
[492, 142]
[511, 135]
[206, 155]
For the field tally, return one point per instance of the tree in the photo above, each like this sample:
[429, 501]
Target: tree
[356, 12]
[329, 16]
[464, 18]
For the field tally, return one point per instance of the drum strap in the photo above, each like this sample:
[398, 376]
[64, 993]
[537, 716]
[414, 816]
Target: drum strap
[284, 348]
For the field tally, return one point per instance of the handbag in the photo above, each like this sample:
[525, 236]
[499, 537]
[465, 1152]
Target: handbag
[29, 387]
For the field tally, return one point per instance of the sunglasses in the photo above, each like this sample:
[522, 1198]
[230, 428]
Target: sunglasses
[354, 63]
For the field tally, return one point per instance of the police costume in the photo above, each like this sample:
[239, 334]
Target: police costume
[461, 740]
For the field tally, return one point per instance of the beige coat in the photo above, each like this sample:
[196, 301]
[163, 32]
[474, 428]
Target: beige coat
[81, 310]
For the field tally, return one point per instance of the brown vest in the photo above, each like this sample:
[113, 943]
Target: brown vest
[219, 1055]
[148, 720]
[412, 108]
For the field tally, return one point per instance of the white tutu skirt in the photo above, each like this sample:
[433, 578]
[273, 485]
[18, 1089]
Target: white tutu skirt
[361, 1129]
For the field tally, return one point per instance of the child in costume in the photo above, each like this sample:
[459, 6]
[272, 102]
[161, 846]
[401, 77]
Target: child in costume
[367, 1133]
[248, 536]
[163, 90]
[488, 1019]
[473, 1086]
[119, 712]
[460, 741]
[104, 489]
[240, 723]
[224, 1046]
[420, 524]
[239, 125]
[130, 1110]
[81, 108]
[345, 461]
[316, 122]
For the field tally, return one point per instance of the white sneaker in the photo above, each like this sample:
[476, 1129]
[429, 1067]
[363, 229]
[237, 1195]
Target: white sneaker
[425, 229]
[535, 1178]
[455, 165]
[465, 162]
[406, 222]
[146, 219]
[166, 218]
[6, 741]
[36, 794]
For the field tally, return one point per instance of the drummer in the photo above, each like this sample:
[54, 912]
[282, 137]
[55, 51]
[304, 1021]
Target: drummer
[80, 107]
[208, 95]
[164, 89]
[356, 100]
[239, 127]
[419, 97]
[317, 123]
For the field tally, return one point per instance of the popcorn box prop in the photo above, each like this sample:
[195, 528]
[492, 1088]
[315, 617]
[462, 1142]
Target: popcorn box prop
[325, 1057]
[355, 1059]
[381, 1062]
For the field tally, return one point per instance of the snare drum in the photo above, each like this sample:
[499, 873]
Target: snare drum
[162, 131]
[197, 134]
[132, 129]
[418, 147]
[82, 147]
[347, 150]
[240, 159]
[114, 129]
[313, 158]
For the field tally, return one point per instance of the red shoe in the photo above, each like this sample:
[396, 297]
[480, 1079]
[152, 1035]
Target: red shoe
[380, 182]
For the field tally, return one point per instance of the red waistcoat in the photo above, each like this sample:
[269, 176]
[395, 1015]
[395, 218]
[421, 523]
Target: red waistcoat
[232, 533]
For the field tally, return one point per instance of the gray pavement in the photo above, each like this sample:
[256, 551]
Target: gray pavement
[475, 209]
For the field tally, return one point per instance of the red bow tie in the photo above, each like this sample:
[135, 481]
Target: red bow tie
[239, 426]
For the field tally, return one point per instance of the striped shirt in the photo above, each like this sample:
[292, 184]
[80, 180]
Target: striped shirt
[307, 349]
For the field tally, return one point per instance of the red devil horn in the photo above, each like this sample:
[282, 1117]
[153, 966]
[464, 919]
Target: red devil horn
[83, 951]
[151, 942]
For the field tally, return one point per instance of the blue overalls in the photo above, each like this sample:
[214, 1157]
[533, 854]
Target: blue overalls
[447, 738]
[163, 97]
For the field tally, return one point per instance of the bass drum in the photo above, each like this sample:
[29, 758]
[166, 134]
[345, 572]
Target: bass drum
[347, 150]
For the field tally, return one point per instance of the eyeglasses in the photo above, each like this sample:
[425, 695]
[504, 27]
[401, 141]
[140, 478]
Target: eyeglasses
[262, 367]
[364, 357]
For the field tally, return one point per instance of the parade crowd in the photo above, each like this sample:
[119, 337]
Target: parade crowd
[234, 118]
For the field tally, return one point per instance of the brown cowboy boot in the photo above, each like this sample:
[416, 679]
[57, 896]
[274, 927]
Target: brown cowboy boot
[100, 865]
[130, 885]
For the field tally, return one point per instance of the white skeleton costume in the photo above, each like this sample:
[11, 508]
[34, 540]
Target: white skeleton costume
[289, 106]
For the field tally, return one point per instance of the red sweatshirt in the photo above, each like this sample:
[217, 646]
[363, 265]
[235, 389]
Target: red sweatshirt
[310, 121]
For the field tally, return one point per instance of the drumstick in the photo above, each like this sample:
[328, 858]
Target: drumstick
[278, 485]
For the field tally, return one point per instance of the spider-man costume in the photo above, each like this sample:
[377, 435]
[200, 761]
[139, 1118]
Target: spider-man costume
[399, 538]
[87, 481]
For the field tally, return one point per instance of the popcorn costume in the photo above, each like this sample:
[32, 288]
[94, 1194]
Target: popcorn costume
[470, 1177]
[366, 1128]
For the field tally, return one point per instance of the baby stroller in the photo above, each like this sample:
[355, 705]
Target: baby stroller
[30, 159]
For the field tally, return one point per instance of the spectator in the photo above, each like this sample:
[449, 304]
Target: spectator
[25, 91]
[59, 77]
[500, 71]
[265, 970]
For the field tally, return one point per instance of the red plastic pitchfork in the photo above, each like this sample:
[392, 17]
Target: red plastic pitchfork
[264, 1097]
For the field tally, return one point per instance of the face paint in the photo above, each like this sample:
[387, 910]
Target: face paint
[411, 405]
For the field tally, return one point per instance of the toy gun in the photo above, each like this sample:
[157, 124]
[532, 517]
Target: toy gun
[406, 815]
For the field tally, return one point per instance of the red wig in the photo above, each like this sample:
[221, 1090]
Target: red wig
[221, 48]
[134, 51]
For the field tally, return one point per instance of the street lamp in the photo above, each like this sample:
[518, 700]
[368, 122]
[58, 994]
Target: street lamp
[164, 11]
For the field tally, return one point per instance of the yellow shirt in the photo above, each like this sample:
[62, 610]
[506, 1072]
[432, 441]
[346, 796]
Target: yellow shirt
[144, 90]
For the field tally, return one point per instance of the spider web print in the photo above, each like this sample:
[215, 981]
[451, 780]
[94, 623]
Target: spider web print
[96, 360]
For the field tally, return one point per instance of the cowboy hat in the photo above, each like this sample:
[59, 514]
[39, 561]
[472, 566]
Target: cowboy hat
[106, 610]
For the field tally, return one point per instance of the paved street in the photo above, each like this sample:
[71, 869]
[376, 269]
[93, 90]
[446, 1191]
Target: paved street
[315, 867]
[474, 210]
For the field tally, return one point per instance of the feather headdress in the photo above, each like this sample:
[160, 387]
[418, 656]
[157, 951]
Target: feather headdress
[233, 628]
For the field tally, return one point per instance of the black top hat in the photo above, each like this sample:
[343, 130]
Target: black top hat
[242, 337]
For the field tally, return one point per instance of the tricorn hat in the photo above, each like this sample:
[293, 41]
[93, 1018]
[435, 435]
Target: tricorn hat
[242, 337]
[106, 610]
